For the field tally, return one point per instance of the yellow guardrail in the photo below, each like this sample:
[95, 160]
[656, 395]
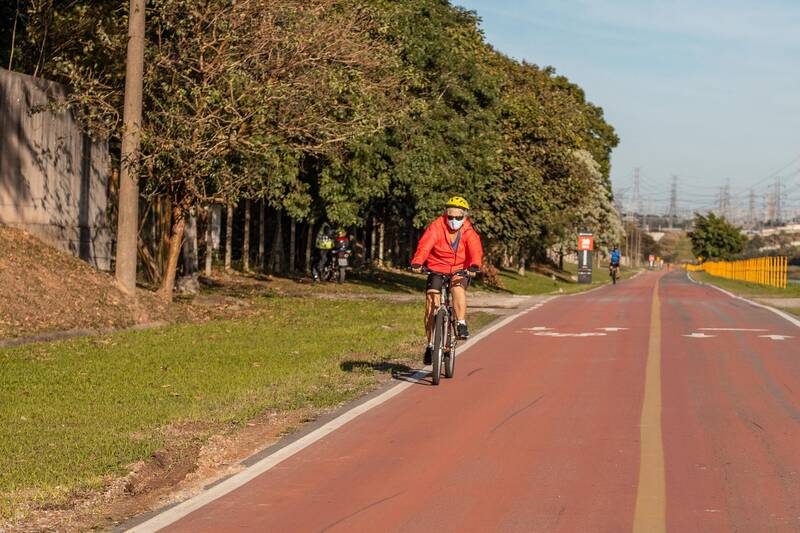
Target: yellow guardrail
[770, 271]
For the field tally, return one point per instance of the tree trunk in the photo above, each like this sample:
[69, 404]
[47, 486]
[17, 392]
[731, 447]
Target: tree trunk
[372, 242]
[262, 236]
[292, 245]
[276, 259]
[175, 241]
[229, 237]
[411, 248]
[309, 244]
[246, 243]
[396, 251]
[128, 202]
[381, 242]
[190, 261]
[209, 240]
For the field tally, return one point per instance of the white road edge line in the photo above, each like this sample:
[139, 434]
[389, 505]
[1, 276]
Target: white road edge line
[778, 312]
[173, 514]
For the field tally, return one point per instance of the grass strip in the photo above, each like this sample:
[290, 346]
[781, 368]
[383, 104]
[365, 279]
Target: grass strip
[533, 283]
[75, 413]
[743, 288]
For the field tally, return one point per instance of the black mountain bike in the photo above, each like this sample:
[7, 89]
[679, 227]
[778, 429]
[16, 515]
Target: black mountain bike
[444, 330]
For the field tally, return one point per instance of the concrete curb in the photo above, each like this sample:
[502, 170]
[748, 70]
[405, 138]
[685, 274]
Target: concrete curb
[74, 333]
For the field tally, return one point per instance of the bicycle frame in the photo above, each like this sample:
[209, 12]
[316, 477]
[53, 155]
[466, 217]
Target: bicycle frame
[444, 329]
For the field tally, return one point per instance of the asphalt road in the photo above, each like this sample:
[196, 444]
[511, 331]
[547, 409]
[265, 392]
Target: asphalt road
[655, 405]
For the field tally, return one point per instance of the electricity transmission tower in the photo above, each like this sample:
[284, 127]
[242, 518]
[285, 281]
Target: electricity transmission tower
[673, 202]
[751, 209]
[724, 201]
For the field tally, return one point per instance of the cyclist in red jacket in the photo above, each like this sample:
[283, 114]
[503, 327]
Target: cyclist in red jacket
[448, 245]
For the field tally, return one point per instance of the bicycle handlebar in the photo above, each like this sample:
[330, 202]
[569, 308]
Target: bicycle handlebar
[426, 270]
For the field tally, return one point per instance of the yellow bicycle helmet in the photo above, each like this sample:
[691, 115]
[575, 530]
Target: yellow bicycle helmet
[458, 201]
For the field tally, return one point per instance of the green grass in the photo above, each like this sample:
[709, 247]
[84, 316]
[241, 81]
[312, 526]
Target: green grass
[749, 289]
[74, 413]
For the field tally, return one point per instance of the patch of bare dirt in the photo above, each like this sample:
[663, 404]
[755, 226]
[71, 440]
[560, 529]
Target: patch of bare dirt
[43, 289]
[46, 291]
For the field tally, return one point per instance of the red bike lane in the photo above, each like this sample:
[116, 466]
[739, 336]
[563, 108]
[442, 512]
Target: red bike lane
[588, 414]
[731, 418]
[539, 430]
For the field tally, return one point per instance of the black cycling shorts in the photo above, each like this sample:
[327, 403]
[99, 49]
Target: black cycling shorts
[435, 282]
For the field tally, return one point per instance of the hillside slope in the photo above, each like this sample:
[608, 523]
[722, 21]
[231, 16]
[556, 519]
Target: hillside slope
[43, 290]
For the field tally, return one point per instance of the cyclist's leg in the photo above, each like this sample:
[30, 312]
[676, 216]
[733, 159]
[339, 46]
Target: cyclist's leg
[432, 299]
[433, 296]
[459, 294]
[323, 258]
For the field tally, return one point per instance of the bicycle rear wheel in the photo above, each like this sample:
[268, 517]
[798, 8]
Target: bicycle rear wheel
[438, 345]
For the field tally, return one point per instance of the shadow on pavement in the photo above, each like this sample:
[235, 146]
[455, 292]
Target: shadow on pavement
[398, 371]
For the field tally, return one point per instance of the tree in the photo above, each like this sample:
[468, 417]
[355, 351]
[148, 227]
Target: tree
[128, 212]
[676, 247]
[715, 238]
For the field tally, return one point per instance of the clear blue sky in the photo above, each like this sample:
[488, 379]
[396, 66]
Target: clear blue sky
[708, 90]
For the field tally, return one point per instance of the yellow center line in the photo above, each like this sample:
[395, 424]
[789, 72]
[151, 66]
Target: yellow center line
[651, 499]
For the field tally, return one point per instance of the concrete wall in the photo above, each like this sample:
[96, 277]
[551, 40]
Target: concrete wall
[53, 177]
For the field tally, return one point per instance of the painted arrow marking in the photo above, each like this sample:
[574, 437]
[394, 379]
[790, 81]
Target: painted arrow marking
[612, 329]
[699, 336]
[776, 337]
[730, 329]
[556, 334]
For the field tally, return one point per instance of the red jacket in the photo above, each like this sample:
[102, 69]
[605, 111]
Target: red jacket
[435, 251]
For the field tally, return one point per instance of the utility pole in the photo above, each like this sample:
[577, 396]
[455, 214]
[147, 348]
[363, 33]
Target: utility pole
[673, 202]
[128, 212]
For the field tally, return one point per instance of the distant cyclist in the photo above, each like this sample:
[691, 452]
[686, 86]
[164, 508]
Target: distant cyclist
[449, 244]
[614, 260]
[324, 244]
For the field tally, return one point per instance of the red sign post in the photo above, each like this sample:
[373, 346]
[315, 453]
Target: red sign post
[585, 248]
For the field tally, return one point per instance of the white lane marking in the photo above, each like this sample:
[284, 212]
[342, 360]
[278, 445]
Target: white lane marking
[699, 336]
[730, 329]
[613, 329]
[776, 337]
[778, 312]
[556, 334]
[538, 328]
[177, 512]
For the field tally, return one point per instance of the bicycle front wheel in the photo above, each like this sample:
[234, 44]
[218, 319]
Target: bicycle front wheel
[450, 360]
[438, 345]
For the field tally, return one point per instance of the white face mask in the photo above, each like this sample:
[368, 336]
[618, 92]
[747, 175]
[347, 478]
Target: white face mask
[455, 225]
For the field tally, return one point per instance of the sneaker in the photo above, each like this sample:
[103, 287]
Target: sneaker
[462, 331]
[428, 359]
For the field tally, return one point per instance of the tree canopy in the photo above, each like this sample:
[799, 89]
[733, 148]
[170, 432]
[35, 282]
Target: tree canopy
[714, 237]
[342, 110]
